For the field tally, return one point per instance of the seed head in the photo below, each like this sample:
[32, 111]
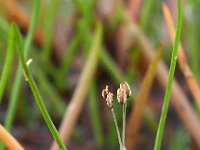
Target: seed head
[105, 92]
[123, 92]
[121, 95]
[124, 85]
[109, 100]
[108, 96]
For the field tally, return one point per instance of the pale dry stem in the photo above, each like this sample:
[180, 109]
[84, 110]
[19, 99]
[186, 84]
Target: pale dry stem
[10, 142]
[76, 104]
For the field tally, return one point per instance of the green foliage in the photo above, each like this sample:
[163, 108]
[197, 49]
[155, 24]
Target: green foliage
[18, 78]
[38, 98]
[8, 63]
[165, 107]
[49, 26]
[52, 78]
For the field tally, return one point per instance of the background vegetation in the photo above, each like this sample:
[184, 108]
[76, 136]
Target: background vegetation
[78, 47]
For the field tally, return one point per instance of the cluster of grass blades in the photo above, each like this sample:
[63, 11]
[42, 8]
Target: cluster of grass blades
[16, 41]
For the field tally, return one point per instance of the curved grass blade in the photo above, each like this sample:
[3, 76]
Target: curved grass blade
[36, 93]
[163, 117]
[18, 79]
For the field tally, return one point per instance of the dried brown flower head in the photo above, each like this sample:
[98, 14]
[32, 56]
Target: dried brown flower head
[108, 96]
[126, 87]
[109, 100]
[121, 95]
[105, 92]
[123, 92]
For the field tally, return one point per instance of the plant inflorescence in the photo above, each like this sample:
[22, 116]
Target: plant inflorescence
[123, 93]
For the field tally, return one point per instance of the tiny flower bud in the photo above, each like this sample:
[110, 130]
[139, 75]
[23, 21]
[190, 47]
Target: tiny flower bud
[121, 96]
[109, 100]
[105, 92]
[126, 87]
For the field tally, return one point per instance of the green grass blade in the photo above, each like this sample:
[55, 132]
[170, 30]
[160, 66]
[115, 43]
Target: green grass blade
[117, 129]
[163, 117]
[8, 61]
[49, 26]
[4, 27]
[94, 114]
[36, 93]
[145, 13]
[18, 79]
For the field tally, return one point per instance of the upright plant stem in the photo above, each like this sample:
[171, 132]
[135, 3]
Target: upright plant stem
[36, 93]
[161, 126]
[182, 59]
[124, 124]
[147, 8]
[116, 126]
[18, 79]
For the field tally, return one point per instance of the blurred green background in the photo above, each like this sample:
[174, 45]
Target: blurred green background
[62, 40]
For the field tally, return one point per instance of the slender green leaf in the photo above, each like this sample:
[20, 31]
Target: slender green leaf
[18, 79]
[8, 61]
[36, 93]
[163, 117]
